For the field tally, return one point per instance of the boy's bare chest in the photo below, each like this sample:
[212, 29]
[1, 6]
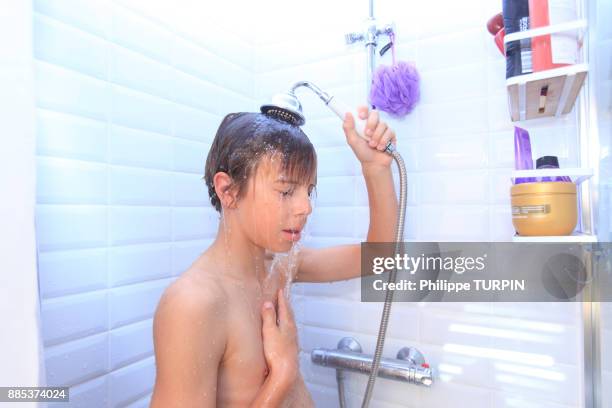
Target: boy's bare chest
[244, 351]
[244, 369]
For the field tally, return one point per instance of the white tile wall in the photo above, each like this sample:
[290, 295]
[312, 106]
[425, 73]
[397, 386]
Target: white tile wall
[129, 96]
[128, 104]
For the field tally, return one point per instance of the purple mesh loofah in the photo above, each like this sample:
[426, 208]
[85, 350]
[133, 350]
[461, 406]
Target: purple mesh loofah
[395, 89]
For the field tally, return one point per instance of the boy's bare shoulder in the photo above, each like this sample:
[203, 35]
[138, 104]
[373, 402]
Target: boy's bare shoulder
[193, 295]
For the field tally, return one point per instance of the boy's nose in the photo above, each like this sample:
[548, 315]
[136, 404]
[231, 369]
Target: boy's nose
[304, 206]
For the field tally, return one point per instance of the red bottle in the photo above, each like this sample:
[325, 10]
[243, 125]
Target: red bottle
[558, 49]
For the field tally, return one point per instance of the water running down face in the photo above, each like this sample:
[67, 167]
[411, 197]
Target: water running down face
[275, 207]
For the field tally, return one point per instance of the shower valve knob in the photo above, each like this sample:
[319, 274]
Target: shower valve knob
[412, 355]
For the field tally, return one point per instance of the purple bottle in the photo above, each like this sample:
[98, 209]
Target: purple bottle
[550, 162]
[522, 154]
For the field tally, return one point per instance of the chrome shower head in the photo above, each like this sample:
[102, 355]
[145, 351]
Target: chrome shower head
[285, 107]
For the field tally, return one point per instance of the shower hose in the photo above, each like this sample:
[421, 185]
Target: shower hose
[384, 320]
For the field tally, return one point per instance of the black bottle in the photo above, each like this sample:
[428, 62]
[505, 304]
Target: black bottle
[518, 53]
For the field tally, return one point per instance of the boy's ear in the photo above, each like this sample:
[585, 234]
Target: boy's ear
[224, 187]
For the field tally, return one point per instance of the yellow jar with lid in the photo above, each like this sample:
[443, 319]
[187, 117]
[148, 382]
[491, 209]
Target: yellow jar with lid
[544, 208]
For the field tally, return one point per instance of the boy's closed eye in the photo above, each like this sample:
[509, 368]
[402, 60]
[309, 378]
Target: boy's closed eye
[289, 192]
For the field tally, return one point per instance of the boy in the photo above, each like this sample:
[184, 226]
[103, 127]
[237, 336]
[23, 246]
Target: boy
[212, 345]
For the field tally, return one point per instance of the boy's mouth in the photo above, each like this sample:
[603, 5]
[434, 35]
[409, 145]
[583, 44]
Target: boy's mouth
[292, 234]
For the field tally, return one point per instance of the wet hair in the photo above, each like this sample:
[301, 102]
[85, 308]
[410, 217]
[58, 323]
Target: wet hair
[244, 138]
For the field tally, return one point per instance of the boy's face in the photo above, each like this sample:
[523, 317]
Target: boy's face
[274, 209]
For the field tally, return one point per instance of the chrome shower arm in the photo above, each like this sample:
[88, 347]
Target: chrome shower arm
[291, 107]
[325, 97]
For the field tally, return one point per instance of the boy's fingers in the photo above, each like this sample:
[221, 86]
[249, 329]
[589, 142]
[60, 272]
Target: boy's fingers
[362, 111]
[389, 135]
[378, 133]
[349, 122]
[284, 313]
[349, 126]
[268, 315]
[282, 307]
[372, 122]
